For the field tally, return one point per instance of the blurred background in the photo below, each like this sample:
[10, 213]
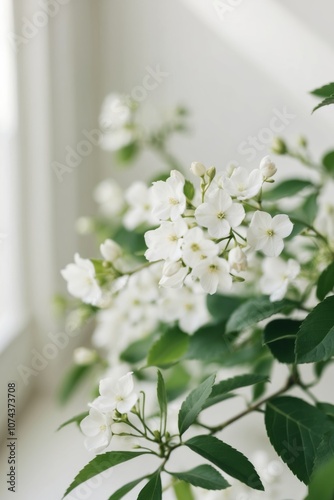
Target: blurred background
[244, 69]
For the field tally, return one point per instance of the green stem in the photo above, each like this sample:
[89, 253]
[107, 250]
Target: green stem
[290, 382]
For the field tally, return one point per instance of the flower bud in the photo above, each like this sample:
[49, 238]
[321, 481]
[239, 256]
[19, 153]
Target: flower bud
[198, 169]
[237, 259]
[173, 274]
[211, 172]
[267, 167]
[110, 250]
[278, 146]
[83, 356]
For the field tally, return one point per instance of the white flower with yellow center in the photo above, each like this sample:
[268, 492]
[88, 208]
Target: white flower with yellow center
[116, 395]
[242, 184]
[168, 198]
[196, 247]
[165, 242]
[266, 233]
[278, 274]
[219, 214]
[214, 275]
[97, 429]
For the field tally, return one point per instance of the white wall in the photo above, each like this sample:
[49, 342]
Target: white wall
[221, 69]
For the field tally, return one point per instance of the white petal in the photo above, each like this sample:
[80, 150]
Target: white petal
[235, 214]
[273, 246]
[209, 282]
[98, 443]
[282, 225]
[261, 220]
[125, 385]
[127, 404]
[90, 425]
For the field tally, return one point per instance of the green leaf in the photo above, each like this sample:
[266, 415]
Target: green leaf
[176, 381]
[322, 483]
[226, 458]
[127, 153]
[137, 351]
[295, 429]
[183, 491]
[315, 338]
[194, 403]
[203, 476]
[309, 208]
[327, 408]
[125, 489]
[77, 419]
[71, 381]
[255, 310]
[325, 91]
[101, 463]
[153, 489]
[325, 450]
[328, 162]
[162, 400]
[222, 306]
[209, 343]
[286, 189]
[262, 366]
[325, 282]
[131, 241]
[220, 390]
[168, 349]
[280, 336]
[189, 190]
[325, 102]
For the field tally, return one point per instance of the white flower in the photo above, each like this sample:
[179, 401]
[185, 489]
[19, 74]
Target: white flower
[237, 259]
[139, 199]
[168, 198]
[173, 274]
[166, 241]
[219, 214]
[115, 113]
[117, 395]
[81, 282]
[97, 427]
[243, 185]
[110, 250]
[266, 233]
[267, 168]
[186, 307]
[198, 169]
[83, 356]
[197, 248]
[109, 195]
[277, 276]
[113, 140]
[213, 274]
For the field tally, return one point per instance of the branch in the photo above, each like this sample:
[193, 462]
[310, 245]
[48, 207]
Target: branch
[290, 382]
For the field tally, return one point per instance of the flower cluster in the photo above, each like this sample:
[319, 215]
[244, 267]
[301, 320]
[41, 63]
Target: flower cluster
[207, 235]
[116, 399]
